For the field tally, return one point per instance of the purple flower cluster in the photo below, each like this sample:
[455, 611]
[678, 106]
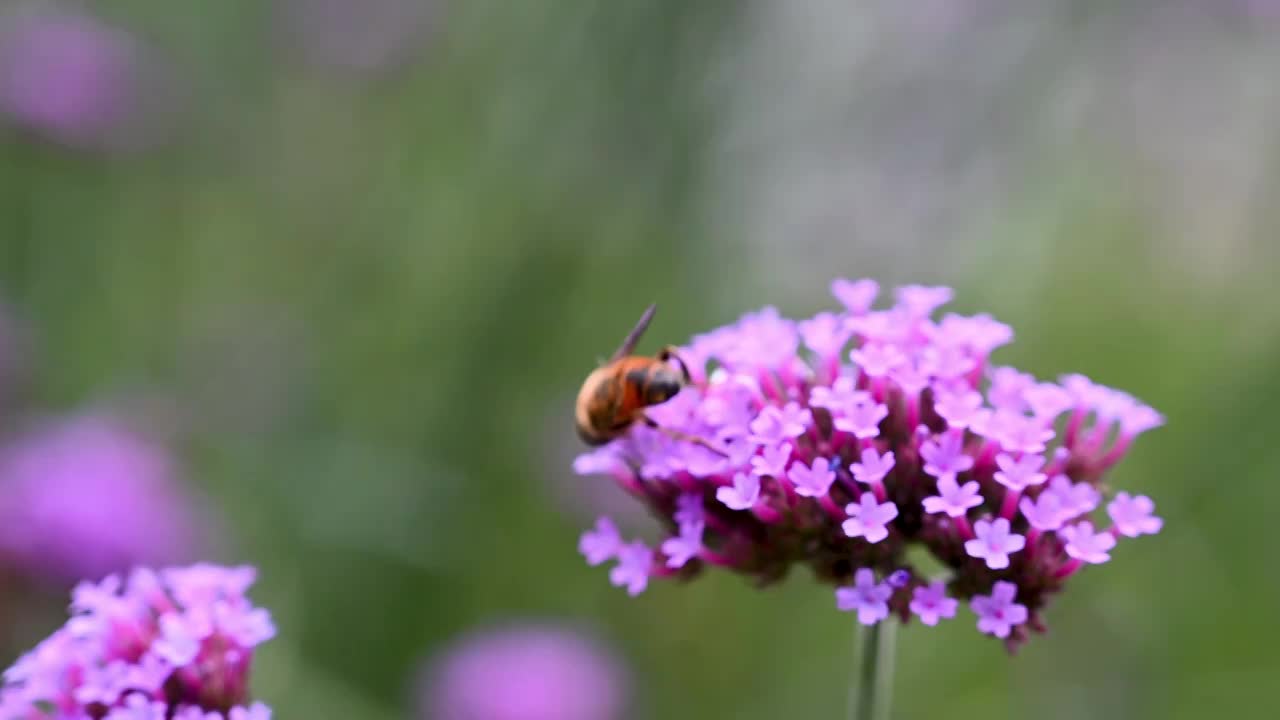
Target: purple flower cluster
[175, 644]
[849, 437]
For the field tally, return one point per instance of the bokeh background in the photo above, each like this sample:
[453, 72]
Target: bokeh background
[311, 284]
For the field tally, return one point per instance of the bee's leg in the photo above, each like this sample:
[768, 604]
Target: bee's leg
[682, 436]
[670, 352]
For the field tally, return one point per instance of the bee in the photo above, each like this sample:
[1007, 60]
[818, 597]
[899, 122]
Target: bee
[615, 395]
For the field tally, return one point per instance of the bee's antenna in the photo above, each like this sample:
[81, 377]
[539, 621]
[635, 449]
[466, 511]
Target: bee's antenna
[633, 337]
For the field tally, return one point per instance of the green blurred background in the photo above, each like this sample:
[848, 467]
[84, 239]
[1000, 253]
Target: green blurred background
[367, 285]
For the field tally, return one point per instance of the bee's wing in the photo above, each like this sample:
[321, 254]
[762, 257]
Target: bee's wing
[633, 337]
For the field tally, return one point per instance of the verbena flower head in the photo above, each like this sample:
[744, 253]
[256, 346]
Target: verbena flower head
[89, 496]
[177, 643]
[526, 672]
[846, 439]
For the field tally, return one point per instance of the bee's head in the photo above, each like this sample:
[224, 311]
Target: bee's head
[662, 386]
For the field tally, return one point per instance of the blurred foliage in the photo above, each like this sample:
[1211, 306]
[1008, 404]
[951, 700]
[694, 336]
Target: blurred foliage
[367, 294]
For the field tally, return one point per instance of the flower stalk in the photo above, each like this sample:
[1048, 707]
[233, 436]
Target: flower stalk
[871, 690]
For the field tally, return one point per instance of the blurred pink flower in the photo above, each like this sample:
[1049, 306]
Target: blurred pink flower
[89, 496]
[526, 672]
[64, 74]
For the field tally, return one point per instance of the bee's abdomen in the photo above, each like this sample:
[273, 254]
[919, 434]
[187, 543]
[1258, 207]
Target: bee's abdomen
[597, 407]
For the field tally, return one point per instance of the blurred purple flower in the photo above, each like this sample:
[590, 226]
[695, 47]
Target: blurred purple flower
[177, 643]
[90, 496]
[362, 35]
[528, 672]
[65, 74]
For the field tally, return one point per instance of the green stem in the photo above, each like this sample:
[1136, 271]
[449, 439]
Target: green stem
[872, 688]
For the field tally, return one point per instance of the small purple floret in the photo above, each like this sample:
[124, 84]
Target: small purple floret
[856, 296]
[602, 543]
[945, 456]
[1075, 498]
[635, 560]
[958, 408]
[1133, 515]
[1083, 543]
[952, 499]
[1021, 473]
[868, 519]
[997, 613]
[930, 603]
[812, 481]
[873, 468]
[1045, 513]
[772, 462]
[742, 495]
[866, 596]
[685, 546]
[994, 543]
[862, 419]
